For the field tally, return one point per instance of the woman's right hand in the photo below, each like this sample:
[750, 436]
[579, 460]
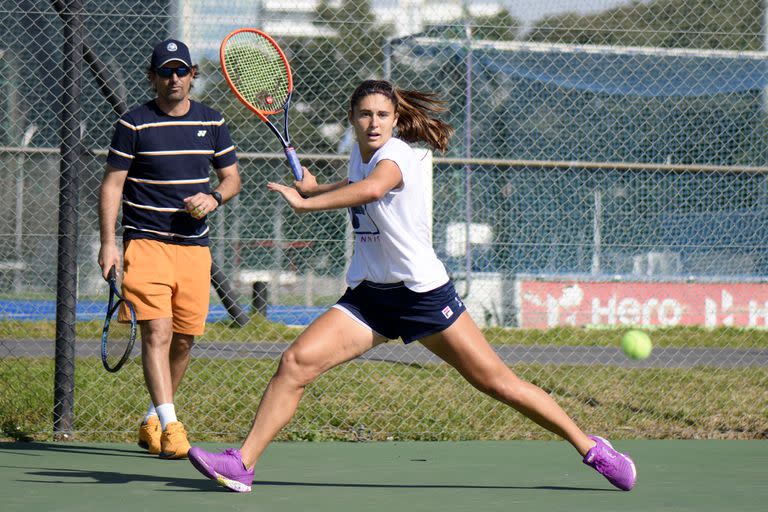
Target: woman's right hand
[308, 184]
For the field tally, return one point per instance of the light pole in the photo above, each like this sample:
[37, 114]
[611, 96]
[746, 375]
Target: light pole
[468, 150]
[22, 159]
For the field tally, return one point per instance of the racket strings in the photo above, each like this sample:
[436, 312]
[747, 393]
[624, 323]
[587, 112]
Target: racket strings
[257, 70]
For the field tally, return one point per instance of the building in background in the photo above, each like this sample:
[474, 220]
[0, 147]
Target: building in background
[413, 16]
[202, 24]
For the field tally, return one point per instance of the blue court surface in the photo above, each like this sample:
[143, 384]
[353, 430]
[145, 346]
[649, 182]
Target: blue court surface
[39, 310]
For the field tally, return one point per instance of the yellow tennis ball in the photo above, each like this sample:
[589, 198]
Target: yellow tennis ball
[636, 344]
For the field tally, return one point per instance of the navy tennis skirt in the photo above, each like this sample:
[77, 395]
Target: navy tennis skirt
[394, 311]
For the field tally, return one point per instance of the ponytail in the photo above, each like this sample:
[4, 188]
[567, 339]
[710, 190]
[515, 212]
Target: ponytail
[415, 113]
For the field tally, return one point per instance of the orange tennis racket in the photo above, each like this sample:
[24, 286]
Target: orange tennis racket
[258, 72]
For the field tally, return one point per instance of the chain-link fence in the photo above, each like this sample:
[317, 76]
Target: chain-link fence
[608, 171]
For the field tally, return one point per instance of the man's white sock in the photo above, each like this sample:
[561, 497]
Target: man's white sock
[167, 414]
[150, 412]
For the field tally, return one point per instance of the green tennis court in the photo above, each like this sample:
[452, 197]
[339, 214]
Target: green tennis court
[442, 476]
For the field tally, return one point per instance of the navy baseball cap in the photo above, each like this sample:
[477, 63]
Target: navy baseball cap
[169, 50]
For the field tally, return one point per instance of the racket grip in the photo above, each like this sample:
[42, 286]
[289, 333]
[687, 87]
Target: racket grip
[293, 160]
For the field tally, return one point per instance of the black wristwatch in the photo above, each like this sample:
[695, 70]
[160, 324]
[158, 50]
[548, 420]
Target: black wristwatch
[217, 197]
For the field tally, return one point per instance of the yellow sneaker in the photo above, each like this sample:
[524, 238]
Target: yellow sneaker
[173, 441]
[149, 435]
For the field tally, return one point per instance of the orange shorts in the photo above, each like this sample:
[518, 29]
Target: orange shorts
[168, 281]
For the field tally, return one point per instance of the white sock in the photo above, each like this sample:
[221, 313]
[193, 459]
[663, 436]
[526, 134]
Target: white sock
[150, 412]
[167, 414]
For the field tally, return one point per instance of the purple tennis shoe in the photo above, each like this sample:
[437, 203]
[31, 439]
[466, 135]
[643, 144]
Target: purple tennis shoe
[226, 468]
[617, 467]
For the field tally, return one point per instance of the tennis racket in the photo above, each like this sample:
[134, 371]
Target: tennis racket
[259, 74]
[116, 349]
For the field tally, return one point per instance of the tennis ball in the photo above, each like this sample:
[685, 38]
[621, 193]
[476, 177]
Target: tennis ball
[636, 344]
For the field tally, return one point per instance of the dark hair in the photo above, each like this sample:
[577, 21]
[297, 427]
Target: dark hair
[415, 112]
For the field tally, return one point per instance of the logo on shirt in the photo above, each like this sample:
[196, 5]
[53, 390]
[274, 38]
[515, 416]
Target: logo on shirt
[362, 223]
[447, 312]
[201, 133]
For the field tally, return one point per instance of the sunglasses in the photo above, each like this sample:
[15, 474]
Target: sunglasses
[166, 72]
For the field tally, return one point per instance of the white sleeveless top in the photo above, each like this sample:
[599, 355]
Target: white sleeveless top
[393, 241]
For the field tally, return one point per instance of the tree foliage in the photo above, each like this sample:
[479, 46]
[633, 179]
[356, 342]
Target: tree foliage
[327, 69]
[499, 27]
[703, 24]
[360, 36]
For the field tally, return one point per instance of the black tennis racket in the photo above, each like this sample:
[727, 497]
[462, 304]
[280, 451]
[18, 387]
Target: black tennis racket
[116, 349]
[258, 72]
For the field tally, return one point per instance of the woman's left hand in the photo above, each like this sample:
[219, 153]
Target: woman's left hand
[291, 196]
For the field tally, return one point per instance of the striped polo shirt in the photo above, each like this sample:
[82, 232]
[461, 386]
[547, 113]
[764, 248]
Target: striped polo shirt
[168, 158]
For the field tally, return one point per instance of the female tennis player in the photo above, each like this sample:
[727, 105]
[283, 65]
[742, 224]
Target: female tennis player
[397, 288]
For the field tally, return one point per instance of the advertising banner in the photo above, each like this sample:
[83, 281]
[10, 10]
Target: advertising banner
[556, 302]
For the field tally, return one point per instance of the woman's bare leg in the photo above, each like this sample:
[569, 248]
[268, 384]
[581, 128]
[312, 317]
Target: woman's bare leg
[464, 347]
[332, 339]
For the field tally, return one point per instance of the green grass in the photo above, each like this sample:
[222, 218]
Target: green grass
[261, 330]
[377, 401]
[257, 330]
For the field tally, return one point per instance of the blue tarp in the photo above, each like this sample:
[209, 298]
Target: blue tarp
[39, 310]
[632, 73]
